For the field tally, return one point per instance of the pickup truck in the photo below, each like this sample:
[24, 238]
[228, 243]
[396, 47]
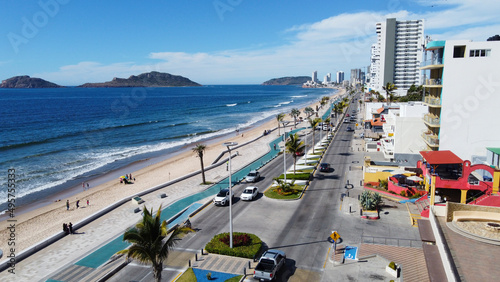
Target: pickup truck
[269, 264]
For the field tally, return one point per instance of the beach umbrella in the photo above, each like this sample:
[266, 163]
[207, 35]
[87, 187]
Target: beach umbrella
[414, 178]
[123, 176]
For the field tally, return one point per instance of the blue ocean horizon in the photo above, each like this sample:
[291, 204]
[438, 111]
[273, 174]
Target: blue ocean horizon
[57, 137]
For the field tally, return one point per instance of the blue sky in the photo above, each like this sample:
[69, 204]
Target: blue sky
[71, 42]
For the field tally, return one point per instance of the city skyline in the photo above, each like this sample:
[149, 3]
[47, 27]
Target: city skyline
[217, 42]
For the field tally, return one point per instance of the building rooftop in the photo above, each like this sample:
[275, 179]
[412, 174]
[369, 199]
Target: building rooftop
[440, 157]
[494, 150]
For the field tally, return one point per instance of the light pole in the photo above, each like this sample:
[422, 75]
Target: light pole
[228, 145]
[284, 150]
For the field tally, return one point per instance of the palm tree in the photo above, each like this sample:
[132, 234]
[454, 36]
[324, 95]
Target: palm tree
[150, 242]
[285, 186]
[295, 113]
[294, 146]
[389, 89]
[279, 118]
[199, 149]
[314, 123]
[308, 111]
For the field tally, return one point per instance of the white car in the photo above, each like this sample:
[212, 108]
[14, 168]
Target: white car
[249, 193]
[222, 198]
[253, 176]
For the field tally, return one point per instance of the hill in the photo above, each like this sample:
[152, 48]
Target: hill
[151, 79]
[289, 80]
[25, 81]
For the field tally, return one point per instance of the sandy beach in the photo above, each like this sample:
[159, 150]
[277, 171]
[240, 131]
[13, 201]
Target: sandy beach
[39, 224]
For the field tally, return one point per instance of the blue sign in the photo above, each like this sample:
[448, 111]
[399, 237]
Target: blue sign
[351, 252]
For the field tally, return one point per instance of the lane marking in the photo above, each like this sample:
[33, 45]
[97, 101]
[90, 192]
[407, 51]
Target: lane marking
[327, 256]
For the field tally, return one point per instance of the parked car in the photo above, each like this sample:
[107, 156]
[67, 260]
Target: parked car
[249, 193]
[349, 128]
[222, 198]
[299, 154]
[252, 176]
[324, 167]
[346, 120]
[269, 264]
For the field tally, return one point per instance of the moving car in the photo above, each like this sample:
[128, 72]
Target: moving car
[269, 264]
[249, 193]
[349, 128]
[346, 120]
[324, 167]
[222, 198]
[253, 176]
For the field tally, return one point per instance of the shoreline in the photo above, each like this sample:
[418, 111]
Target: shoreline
[46, 216]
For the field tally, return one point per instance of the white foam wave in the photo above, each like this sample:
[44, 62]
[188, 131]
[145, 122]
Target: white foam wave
[298, 96]
[231, 105]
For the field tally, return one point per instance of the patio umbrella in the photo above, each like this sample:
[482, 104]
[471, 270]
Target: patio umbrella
[122, 176]
[414, 178]
[398, 176]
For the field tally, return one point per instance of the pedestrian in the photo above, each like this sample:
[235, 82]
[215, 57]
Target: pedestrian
[83, 186]
[275, 146]
[78, 204]
[65, 228]
[130, 175]
[87, 202]
[70, 228]
[88, 186]
[67, 205]
[134, 179]
[227, 166]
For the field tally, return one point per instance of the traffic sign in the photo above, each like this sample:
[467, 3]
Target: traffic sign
[335, 236]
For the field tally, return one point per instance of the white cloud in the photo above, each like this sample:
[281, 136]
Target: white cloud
[340, 42]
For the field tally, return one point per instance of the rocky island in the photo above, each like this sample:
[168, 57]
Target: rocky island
[25, 81]
[289, 80]
[151, 79]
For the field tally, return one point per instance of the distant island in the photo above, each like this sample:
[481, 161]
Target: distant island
[151, 79]
[289, 80]
[25, 81]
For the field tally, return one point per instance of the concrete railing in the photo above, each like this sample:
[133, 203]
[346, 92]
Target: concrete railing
[443, 251]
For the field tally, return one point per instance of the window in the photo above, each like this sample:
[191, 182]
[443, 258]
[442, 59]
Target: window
[480, 53]
[458, 51]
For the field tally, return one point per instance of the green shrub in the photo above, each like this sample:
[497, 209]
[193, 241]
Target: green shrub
[384, 183]
[252, 247]
[392, 265]
[297, 176]
[403, 193]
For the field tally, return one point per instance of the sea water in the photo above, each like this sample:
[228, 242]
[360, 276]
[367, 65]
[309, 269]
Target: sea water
[55, 138]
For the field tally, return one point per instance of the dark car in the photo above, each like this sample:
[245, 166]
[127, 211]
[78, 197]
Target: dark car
[349, 128]
[324, 167]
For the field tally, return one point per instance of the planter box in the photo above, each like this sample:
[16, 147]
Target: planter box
[394, 273]
[370, 214]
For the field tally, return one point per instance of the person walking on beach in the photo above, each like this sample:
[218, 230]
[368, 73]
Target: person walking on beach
[67, 205]
[70, 228]
[275, 146]
[78, 204]
[83, 186]
[88, 186]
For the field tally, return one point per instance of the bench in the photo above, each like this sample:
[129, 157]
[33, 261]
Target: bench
[425, 230]
[476, 215]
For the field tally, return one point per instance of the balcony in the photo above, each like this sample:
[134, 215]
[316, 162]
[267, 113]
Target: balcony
[432, 140]
[432, 120]
[432, 101]
[433, 82]
[432, 64]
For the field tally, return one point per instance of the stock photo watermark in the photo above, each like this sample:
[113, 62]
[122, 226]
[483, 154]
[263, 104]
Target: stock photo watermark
[223, 6]
[32, 25]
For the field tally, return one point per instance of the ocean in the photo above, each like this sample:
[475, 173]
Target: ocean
[57, 138]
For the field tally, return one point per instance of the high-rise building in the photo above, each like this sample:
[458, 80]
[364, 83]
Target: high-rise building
[460, 77]
[356, 76]
[314, 76]
[397, 54]
[340, 76]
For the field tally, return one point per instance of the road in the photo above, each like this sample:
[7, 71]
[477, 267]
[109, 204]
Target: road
[299, 227]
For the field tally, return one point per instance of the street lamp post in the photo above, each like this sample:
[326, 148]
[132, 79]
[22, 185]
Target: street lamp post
[228, 145]
[284, 150]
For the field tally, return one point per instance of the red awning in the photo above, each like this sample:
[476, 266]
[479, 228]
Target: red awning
[440, 157]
